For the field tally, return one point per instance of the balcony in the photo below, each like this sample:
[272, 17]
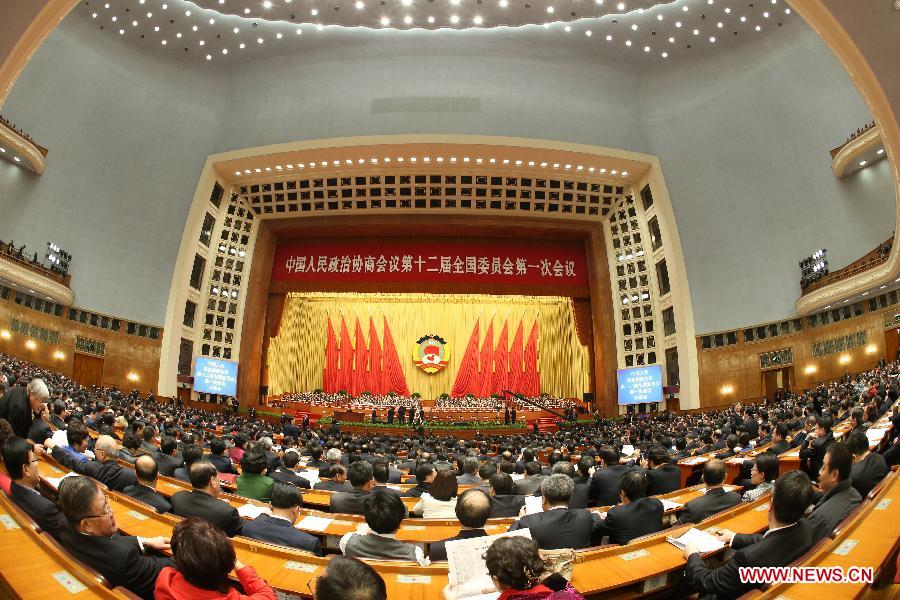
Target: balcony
[17, 147]
[871, 259]
[861, 149]
[23, 273]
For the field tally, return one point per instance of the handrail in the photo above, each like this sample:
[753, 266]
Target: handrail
[852, 137]
[33, 266]
[24, 135]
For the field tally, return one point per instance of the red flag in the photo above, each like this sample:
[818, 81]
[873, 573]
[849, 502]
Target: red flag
[393, 373]
[531, 382]
[358, 379]
[486, 363]
[501, 352]
[375, 380]
[330, 374]
[467, 376]
[346, 369]
[515, 360]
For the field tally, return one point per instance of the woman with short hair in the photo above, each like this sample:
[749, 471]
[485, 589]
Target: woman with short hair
[439, 502]
[204, 557]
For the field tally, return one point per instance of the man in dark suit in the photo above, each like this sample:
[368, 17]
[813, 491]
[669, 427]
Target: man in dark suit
[149, 434]
[20, 404]
[278, 528]
[353, 502]
[559, 526]
[662, 476]
[714, 500]
[288, 429]
[473, 508]
[750, 424]
[869, 468]
[580, 492]
[470, 472]
[89, 533]
[730, 450]
[788, 538]
[191, 454]
[799, 438]
[167, 457]
[604, 487]
[531, 483]
[425, 474]
[506, 502]
[203, 500]
[636, 515]
[333, 478]
[106, 469]
[390, 415]
[840, 497]
[217, 457]
[779, 439]
[381, 472]
[145, 489]
[22, 466]
[401, 415]
[813, 451]
[287, 472]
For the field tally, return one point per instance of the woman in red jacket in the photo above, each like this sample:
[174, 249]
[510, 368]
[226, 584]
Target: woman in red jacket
[204, 557]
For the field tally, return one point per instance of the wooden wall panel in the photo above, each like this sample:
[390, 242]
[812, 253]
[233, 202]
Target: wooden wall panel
[86, 369]
[738, 365]
[124, 353]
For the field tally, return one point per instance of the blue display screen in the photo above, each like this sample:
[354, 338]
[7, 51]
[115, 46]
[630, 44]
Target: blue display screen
[213, 376]
[641, 384]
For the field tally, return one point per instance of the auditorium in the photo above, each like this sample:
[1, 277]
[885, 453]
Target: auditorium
[449, 299]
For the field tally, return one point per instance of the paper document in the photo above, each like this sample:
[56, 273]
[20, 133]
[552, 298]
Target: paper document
[670, 505]
[627, 450]
[467, 570]
[312, 523]
[534, 504]
[704, 542]
[55, 481]
[251, 511]
[311, 476]
[875, 436]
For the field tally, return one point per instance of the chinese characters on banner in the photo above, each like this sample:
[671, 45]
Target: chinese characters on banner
[640, 385]
[431, 260]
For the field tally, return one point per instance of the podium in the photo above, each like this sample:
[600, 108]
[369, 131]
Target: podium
[348, 416]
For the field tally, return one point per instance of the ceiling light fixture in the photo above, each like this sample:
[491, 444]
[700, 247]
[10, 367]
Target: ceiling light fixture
[620, 6]
[478, 20]
[550, 9]
[385, 21]
[407, 19]
[609, 38]
[314, 12]
[267, 4]
[880, 152]
[634, 27]
[863, 163]
[454, 19]
[360, 5]
[588, 33]
[430, 19]
[628, 42]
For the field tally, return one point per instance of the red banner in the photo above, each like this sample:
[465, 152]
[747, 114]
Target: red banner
[520, 261]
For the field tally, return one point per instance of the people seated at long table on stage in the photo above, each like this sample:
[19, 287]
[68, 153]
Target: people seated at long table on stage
[652, 436]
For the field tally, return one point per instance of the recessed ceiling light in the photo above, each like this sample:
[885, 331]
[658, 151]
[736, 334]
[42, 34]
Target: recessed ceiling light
[202, 43]
[267, 4]
[880, 152]
[299, 31]
[787, 11]
[430, 19]
[134, 23]
[178, 35]
[719, 24]
[17, 159]
[504, 3]
[766, 14]
[758, 28]
[567, 28]
[454, 18]
[194, 28]
[646, 48]
[121, 32]
[550, 9]
[212, 21]
[106, 5]
[407, 19]
[163, 42]
[743, 19]
[209, 57]
[259, 40]
[3, 150]
[863, 163]
[94, 15]
[242, 46]
[246, 11]
[684, 8]
[454, 2]
[149, 15]
[406, 2]
[314, 12]
[712, 40]
[628, 42]
[478, 20]
[727, 10]
[224, 50]
[671, 40]
[620, 6]
[677, 23]
[236, 30]
[588, 33]
[156, 29]
[187, 13]
[634, 27]
[360, 5]
[279, 35]
[665, 55]
[385, 21]
[696, 32]
[609, 38]
[659, 17]
[114, 19]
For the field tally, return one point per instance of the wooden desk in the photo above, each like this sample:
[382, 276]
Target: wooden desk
[28, 566]
[875, 535]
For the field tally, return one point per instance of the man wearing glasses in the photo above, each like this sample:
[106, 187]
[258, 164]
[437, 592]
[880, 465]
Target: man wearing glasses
[89, 532]
[21, 463]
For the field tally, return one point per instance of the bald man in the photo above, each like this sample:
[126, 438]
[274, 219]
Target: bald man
[145, 489]
[104, 469]
[473, 507]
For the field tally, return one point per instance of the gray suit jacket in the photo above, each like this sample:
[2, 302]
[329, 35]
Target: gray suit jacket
[530, 484]
[832, 508]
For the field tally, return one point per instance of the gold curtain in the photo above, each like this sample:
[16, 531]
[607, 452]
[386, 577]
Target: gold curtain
[296, 357]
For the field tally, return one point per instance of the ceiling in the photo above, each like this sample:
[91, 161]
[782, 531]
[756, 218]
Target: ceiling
[229, 31]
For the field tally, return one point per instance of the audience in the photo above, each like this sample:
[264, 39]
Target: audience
[714, 499]
[203, 559]
[425, 474]
[22, 466]
[106, 469]
[839, 497]
[557, 525]
[813, 450]
[145, 489]
[349, 579]
[635, 515]
[506, 502]
[289, 471]
[333, 478]
[762, 476]
[439, 502]
[662, 476]
[90, 534]
[359, 475]
[252, 482]
[473, 508]
[217, 457]
[604, 487]
[278, 528]
[869, 468]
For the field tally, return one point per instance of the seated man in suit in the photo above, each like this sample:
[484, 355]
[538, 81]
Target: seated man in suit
[470, 472]
[149, 433]
[378, 540]
[559, 526]
[278, 528]
[217, 457]
[191, 454]
[789, 537]
[167, 457]
[333, 478]
[473, 507]
[531, 483]
[800, 434]
[203, 500]
[425, 474]
[580, 493]
[840, 497]
[731, 444]
[635, 515]
[381, 472]
[90, 534]
[714, 500]
[506, 502]
[359, 474]
[662, 476]
[288, 471]
[779, 439]
[604, 487]
[869, 468]
[22, 466]
[106, 469]
[145, 489]
[813, 451]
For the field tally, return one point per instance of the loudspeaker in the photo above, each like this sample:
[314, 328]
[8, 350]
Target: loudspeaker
[588, 397]
[263, 390]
